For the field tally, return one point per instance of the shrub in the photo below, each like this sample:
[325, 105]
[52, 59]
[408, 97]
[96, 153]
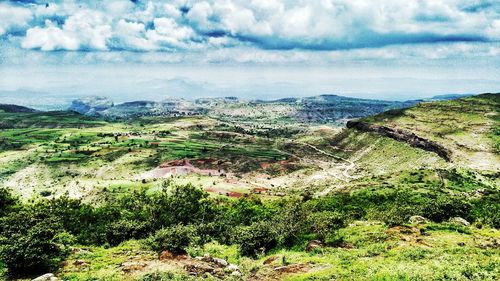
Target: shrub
[32, 243]
[254, 239]
[180, 204]
[7, 201]
[123, 229]
[325, 222]
[487, 210]
[174, 239]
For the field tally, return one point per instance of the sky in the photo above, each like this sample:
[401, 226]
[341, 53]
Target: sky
[54, 51]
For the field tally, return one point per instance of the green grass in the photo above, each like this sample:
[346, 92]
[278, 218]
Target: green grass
[468, 127]
[101, 263]
[370, 250]
[377, 255]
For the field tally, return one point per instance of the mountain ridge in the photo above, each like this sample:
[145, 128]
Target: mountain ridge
[323, 108]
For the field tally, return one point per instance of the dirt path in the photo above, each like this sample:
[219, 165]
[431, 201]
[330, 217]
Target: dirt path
[350, 163]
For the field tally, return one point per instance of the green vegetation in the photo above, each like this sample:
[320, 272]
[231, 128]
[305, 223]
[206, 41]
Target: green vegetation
[160, 198]
[36, 237]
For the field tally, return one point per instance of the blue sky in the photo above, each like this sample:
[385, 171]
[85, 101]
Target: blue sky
[253, 48]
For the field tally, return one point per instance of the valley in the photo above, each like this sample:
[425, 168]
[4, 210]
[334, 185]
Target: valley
[255, 183]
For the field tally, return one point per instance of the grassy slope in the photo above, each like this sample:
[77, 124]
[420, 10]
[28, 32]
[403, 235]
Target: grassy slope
[367, 250]
[469, 127]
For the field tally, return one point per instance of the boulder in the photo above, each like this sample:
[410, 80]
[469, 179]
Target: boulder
[270, 260]
[46, 277]
[236, 273]
[232, 268]
[418, 220]
[459, 221]
[220, 262]
[166, 255]
[198, 269]
[314, 244]
[132, 266]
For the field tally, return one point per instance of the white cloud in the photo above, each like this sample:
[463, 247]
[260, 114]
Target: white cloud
[12, 17]
[167, 32]
[85, 29]
[264, 24]
[50, 38]
[131, 35]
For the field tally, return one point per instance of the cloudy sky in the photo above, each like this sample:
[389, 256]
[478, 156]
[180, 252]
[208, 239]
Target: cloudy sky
[251, 48]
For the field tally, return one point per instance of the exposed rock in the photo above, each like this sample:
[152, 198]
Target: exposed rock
[314, 244]
[270, 260]
[91, 105]
[404, 136]
[220, 262]
[80, 251]
[459, 221]
[219, 272]
[418, 220]
[236, 273]
[233, 267]
[198, 269]
[46, 277]
[290, 268]
[80, 263]
[490, 243]
[166, 255]
[132, 266]
[206, 257]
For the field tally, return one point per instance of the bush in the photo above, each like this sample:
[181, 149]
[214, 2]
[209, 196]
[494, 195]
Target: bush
[487, 210]
[7, 201]
[325, 223]
[254, 239]
[180, 205]
[174, 239]
[31, 243]
[123, 229]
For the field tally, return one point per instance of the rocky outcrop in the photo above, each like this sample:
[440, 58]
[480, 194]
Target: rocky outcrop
[46, 277]
[459, 221]
[314, 244]
[417, 220]
[91, 105]
[404, 136]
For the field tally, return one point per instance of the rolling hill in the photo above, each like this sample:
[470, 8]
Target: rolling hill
[158, 195]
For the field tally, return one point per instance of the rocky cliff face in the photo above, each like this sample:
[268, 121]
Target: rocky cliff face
[91, 105]
[404, 136]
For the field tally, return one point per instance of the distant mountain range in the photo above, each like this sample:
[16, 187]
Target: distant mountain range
[316, 109]
[12, 108]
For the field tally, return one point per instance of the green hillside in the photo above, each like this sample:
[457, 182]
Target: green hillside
[468, 127]
[409, 194]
